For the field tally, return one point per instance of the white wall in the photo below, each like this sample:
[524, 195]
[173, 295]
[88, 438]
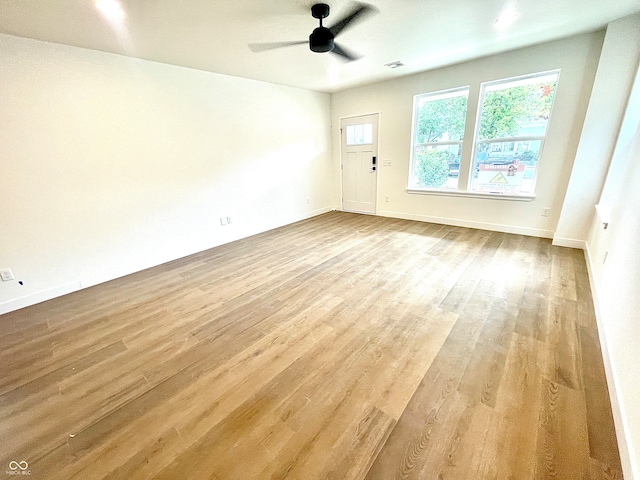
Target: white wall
[109, 165]
[618, 63]
[576, 56]
[614, 256]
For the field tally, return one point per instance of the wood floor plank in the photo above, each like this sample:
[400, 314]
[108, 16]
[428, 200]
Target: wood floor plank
[602, 435]
[463, 289]
[518, 404]
[340, 347]
[407, 449]
[563, 450]
[55, 376]
[563, 282]
[564, 343]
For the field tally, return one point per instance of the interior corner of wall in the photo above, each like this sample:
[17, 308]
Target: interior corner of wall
[569, 242]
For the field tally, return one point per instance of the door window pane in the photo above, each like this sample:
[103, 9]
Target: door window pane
[360, 134]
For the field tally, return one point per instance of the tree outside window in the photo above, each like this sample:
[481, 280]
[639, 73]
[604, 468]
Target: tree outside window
[438, 134]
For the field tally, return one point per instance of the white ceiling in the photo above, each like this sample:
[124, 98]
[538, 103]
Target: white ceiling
[213, 34]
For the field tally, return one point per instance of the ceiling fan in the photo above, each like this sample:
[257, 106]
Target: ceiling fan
[322, 38]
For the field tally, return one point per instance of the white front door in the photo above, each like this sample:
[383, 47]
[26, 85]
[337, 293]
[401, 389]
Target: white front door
[359, 163]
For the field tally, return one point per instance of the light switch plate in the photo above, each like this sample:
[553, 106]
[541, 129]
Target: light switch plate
[7, 275]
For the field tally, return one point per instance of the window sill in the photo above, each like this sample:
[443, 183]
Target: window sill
[517, 198]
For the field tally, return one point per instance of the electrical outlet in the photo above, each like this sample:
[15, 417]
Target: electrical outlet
[308, 201]
[7, 275]
[545, 212]
[386, 199]
[223, 221]
[229, 222]
[387, 163]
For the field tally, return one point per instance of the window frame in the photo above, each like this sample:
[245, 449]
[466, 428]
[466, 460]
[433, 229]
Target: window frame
[465, 186]
[415, 145]
[514, 139]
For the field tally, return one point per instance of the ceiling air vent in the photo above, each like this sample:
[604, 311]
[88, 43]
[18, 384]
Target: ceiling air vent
[395, 64]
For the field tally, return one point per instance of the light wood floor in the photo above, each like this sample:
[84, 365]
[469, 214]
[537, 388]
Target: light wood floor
[341, 347]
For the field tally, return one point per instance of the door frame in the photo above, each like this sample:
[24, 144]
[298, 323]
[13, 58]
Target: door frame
[378, 164]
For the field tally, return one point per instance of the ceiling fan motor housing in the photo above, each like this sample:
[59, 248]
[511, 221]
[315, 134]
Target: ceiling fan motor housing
[321, 40]
[320, 10]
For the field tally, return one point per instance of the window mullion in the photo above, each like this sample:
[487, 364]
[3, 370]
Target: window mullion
[466, 157]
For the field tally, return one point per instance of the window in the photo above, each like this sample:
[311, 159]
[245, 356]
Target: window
[360, 134]
[510, 130]
[438, 132]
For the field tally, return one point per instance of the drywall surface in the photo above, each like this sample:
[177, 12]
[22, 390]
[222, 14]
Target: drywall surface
[614, 262]
[616, 70]
[110, 165]
[577, 57]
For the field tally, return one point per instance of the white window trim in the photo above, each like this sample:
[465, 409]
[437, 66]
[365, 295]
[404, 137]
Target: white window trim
[465, 190]
[459, 193]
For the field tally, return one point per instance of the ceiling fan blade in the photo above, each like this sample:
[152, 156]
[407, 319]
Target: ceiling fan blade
[360, 11]
[344, 53]
[261, 47]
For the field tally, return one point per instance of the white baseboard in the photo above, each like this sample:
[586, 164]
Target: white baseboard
[569, 242]
[43, 296]
[496, 227]
[26, 301]
[619, 417]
